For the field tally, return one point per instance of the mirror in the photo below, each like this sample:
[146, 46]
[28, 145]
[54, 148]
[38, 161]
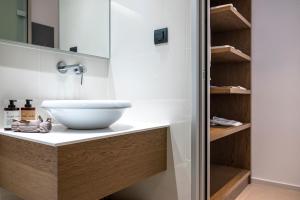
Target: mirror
[80, 26]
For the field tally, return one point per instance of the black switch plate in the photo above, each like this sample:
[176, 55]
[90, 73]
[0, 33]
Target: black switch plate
[161, 36]
[74, 49]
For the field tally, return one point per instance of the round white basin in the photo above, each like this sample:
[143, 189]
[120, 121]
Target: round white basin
[86, 114]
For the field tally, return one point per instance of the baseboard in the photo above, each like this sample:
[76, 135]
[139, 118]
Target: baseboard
[275, 183]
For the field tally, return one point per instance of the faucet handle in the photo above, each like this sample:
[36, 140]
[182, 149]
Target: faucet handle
[81, 80]
[80, 69]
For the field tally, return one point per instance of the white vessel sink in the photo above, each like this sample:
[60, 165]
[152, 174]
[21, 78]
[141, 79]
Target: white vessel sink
[86, 114]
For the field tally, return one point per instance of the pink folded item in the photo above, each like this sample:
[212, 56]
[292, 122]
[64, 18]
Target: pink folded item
[32, 126]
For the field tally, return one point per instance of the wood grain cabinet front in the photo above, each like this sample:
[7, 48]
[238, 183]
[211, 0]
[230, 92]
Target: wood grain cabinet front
[81, 171]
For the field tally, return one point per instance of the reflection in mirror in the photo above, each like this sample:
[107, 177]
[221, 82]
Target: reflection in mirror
[71, 25]
[13, 20]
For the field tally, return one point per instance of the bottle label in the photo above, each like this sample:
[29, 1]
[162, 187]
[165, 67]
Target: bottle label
[28, 115]
[9, 116]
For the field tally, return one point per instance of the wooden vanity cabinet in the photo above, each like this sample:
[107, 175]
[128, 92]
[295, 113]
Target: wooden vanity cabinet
[82, 171]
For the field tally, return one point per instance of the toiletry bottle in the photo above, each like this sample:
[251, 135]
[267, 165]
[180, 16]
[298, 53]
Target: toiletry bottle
[11, 113]
[28, 112]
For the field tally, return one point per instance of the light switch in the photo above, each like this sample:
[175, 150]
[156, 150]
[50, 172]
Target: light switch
[161, 36]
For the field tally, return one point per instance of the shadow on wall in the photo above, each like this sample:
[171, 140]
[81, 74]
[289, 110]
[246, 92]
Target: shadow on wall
[167, 178]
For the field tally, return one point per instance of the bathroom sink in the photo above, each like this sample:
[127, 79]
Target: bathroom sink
[86, 114]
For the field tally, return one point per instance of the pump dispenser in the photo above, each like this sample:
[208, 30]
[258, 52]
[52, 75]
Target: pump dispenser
[28, 112]
[11, 113]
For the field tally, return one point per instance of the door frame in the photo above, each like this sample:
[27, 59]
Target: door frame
[201, 98]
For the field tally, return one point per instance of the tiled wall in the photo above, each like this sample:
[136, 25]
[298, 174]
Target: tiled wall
[157, 79]
[31, 73]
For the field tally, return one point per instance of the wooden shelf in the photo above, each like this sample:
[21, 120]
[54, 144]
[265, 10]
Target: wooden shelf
[227, 182]
[218, 132]
[225, 54]
[227, 18]
[228, 90]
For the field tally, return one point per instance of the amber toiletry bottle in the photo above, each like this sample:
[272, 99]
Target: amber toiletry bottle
[28, 112]
[11, 113]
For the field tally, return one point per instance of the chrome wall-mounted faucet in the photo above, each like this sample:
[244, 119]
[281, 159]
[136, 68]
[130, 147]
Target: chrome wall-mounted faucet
[78, 69]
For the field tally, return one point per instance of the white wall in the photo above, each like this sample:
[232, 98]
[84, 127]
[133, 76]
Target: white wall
[276, 97]
[46, 12]
[157, 79]
[85, 24]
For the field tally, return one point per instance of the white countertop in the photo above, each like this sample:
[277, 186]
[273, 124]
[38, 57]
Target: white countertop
[60, 135]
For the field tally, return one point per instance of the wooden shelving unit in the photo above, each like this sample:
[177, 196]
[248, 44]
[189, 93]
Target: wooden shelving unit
[230, 147]
[226, 53]
[228, 90]
[227, 180]
[218, 132]
[227, 18]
